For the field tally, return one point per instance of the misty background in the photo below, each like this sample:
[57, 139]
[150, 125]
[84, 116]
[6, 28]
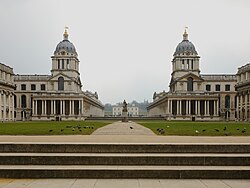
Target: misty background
[125, 47]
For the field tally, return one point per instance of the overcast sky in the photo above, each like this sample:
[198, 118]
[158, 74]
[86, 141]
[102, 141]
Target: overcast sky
[125, 47]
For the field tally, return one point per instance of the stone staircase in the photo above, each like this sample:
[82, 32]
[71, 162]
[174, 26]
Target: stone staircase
[89, 160]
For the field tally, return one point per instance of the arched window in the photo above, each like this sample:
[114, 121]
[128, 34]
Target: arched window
[227, 101]
[190, 84]
[23, 101]
[60, 83]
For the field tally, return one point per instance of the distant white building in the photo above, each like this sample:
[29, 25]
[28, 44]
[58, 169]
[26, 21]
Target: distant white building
[132, 110]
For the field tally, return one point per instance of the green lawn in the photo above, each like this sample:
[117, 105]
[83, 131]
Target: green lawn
[198, 128]
[51, 127]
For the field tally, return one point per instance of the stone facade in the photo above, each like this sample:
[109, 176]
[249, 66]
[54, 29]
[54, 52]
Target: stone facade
[7, 87]
[243, 93]
[58, 96]
[194, 96]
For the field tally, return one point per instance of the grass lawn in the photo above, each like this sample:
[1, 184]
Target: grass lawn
[51, 127]
[198, 128]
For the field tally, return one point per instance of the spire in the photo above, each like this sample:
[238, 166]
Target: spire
[185, 35]
[65, 34]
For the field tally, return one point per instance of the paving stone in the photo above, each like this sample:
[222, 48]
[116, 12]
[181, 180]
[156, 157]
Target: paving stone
[117, 183]
[214, 183]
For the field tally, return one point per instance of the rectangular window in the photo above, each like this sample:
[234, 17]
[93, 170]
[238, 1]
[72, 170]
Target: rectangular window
[67, 63]
[187, 63]
[208, 87]
[23, 87]
[62, 63]
[192, 64]
[227, 87]
[43, 87]
[217, 87]
[33, 87]
[58, 64]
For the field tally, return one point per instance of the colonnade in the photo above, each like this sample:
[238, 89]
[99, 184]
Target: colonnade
[6, 106]
[63, 107]
[243, 106]
[193, 107]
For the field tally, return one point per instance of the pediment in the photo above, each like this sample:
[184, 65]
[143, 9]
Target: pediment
[66, 77]
[186, 76]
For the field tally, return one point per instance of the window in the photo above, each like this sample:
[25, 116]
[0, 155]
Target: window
[23, 87]
[58, 64]
[217, 87]
[60, 83]
[227, 101]
[43, 87]
[23, 101]
[192, 64]
[62, 63]
[67, 63]
[227, 87]
[190, 84]
[33, 87]
[208, 87]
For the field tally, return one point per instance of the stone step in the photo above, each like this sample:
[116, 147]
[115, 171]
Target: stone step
[82, 171]
[191, 159]
[122, 148]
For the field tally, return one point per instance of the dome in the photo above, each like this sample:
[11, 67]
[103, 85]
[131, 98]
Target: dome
[185, 46]
[66, 45]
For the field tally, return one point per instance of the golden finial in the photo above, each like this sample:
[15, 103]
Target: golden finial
[185, 35]
[65, 35]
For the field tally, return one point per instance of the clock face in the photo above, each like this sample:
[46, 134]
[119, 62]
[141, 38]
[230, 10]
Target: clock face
[188, 53]
[63, 52]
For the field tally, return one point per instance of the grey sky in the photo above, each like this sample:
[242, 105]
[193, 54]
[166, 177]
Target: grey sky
[125, 47]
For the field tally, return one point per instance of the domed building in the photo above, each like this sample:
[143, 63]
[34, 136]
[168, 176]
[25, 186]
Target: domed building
[58, 96]
[194, 96]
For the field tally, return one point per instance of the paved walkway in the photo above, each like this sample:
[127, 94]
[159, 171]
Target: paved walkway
[123, 128]
[121, 183]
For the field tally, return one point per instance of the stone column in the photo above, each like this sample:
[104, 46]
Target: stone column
[208, 111]
[33, 107]
[70, 109]
[73, 107]
[199, 108]
[205, 107]
[45, 107]
[63, 102]
[186, 107]
[54, 105]
[196, 107]
[180, 108]
[61, 107]
[42, 107]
